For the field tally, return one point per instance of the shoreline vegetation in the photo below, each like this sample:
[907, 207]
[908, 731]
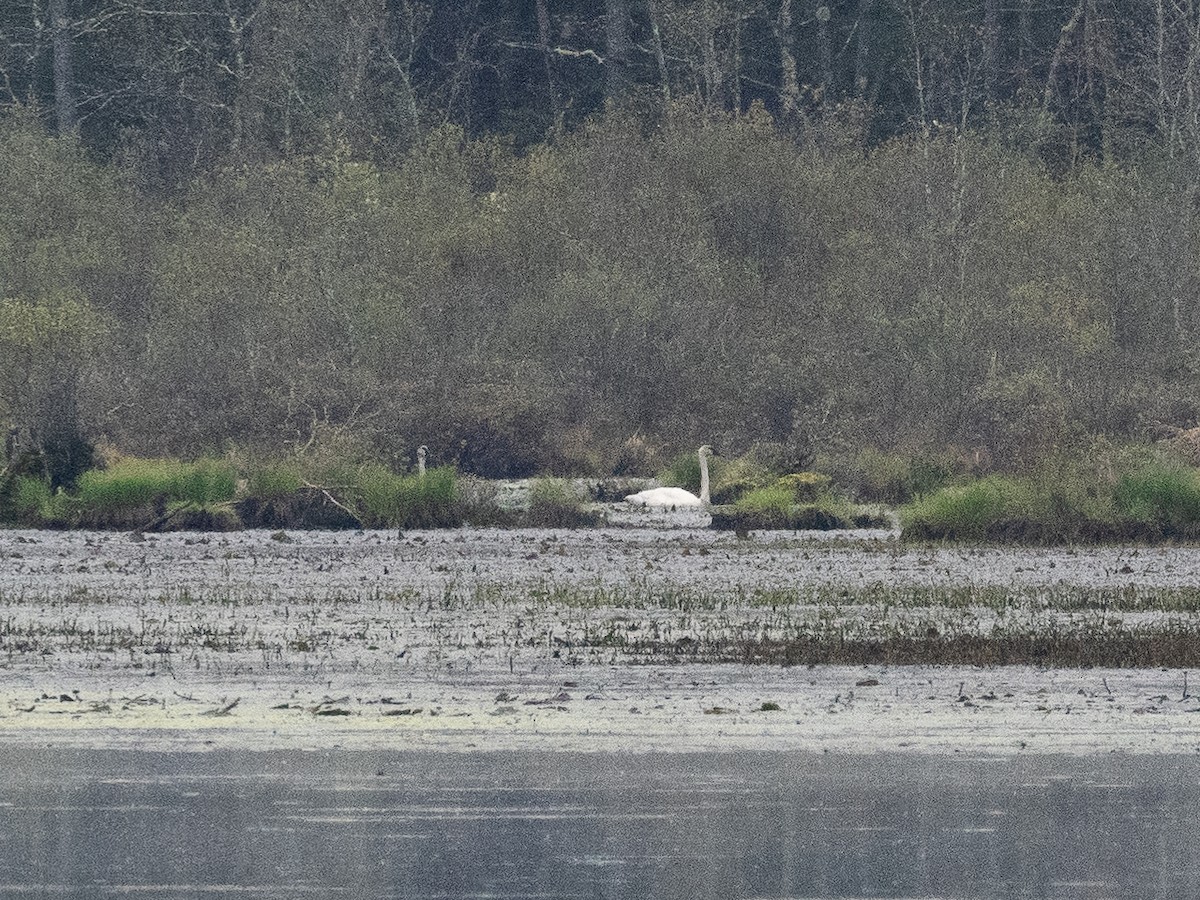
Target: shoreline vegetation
[1128, 494]
[157, 495]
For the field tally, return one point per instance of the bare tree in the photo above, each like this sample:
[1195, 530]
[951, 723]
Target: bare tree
[65, 106]
[824, 42]
[543, 21]
[862, 56]
[991, 48]
[789, 82]
[660, 57]
[616, 55]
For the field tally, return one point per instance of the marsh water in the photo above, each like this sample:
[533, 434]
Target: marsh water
[87, 823]
[100, 627]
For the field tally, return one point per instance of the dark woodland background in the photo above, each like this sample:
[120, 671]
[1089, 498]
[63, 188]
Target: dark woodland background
[525, 233]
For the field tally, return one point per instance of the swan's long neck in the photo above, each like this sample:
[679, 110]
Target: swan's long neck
[704, 477]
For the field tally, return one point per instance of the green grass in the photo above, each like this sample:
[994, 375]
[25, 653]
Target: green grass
[684, 472]
[974, 511]
[273, 481]
[1061, 504]
[806, 487]
[876, 476]
[406, 501]
[1160, 495]
[28, 497]
[136, 493]
[131, 483]
[775, 499]
[735, 478]
[795, 503]
[28, 500]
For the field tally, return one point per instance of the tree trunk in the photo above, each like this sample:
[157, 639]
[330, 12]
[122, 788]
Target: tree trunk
[710, 64]
[66, 110]
[239, 111]
[400, 47]
[735, 85]
[918, 63]
[660, 57]
[1025, 45]
[826, 51]
[862, 58]
[1098, 63]
[543, 23]
[359, 29]
[991, 48]
[616, 58]
[789, 82]
[1065, 36]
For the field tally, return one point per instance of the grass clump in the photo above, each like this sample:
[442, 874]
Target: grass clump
[406, 501]
[734, 479]
[776, 499]
[1064, 502]
[806, 486]
[1164, 496]
[798, 502]
[184, 515]
[877, 476]
[974, 511]
[274, 481]
[556, 503]
[26, 498]
[130, 483]
[29, 500]
[128, 493]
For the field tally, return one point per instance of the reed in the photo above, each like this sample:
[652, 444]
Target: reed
[1062, 504]
[406, 501]
[133, 482]
[273, 481]
[1166, 496]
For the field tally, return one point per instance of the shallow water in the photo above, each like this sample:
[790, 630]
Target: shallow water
[354, 824]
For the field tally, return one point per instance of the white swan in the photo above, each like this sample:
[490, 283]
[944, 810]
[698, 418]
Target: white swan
[421, 451]
[673, 496]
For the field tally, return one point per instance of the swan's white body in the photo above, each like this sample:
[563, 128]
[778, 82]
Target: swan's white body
[674, 497]
[664, 496]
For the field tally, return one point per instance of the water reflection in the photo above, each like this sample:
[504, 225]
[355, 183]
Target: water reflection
[354, 824]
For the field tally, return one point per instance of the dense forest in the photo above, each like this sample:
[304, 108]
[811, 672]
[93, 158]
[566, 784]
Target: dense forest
[549, 235]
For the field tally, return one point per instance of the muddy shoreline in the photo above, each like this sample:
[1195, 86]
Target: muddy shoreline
[491, 639]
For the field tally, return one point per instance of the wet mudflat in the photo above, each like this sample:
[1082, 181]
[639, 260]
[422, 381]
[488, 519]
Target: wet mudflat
[641, 637]
[647, 548]
[92, 823]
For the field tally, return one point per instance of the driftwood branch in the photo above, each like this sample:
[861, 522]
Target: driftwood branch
[332, 499]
